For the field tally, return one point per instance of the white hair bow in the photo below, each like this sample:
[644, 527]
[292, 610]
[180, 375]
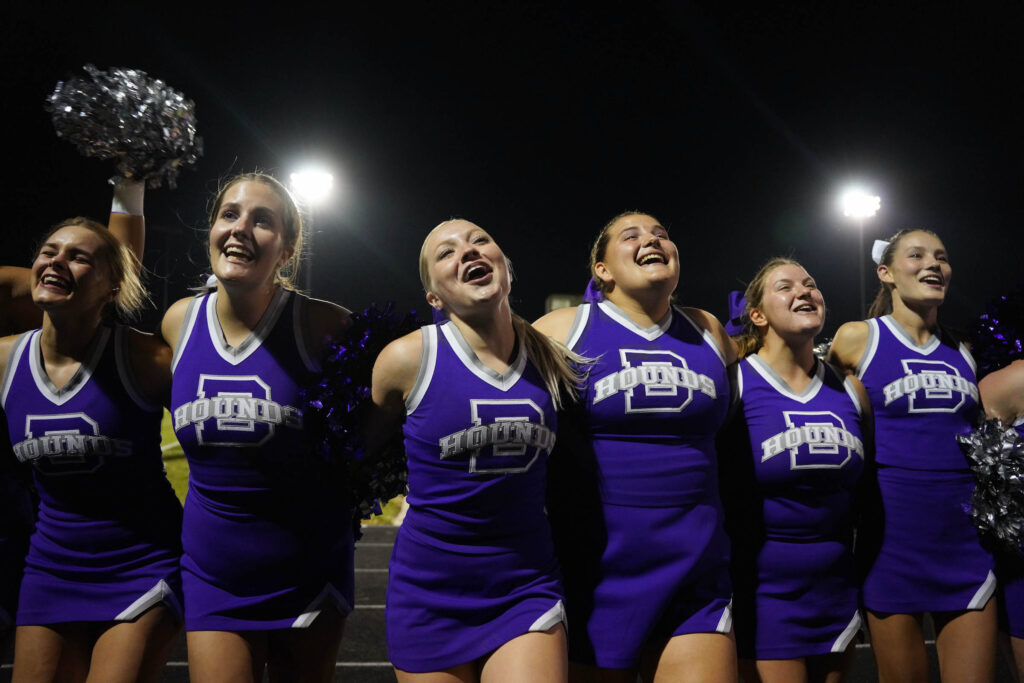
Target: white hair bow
[877, 249]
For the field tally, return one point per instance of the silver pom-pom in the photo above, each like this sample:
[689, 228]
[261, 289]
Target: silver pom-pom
[123, 114]
[996, 457]
[821, 349]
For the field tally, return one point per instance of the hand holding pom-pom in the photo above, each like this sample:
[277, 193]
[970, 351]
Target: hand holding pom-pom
[123, 114]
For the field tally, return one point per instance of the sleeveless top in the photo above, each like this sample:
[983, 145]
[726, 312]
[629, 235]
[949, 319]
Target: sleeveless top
[653, 402]
[923, 396]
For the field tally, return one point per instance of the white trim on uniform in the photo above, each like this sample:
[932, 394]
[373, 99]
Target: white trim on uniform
[769, 375]
[555, 615]
[328, 597]
[81, 377]
[236, 354]
[502, 381]
[20, 344]
[621, 317]
[904, 338]
[127, 372]
[869, 349]
[985, 592]
[428, 359]
[846, 637]
[160, 593]
[191, 314]
[579, 325]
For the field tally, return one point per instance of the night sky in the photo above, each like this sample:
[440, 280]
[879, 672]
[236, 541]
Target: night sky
[736, 127]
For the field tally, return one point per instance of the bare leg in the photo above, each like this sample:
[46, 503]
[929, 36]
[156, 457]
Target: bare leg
[463, 673]
[830, 668]
[306, 654]
[531, 657]
[226, 656]
[777, 671]
[1017, 648]
[694, 657]
[136, 651]
[45, 654]
[966, 642]
[898, 643]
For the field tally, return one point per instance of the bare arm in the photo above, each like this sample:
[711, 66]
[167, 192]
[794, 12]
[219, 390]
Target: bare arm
[17, 312]
[848, 346]
[127, 222]
[711, 324]
[1002, 392]
[557, 324]
[394, 374]
[151, 362]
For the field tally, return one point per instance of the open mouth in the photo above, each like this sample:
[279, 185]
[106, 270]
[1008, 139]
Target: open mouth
[477, 271]
[651, 258]
[933, 280]
[237, 253]
[806, 308]
[50, 281]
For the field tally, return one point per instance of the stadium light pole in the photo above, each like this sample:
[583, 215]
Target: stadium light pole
[859, 205]
[312, 187]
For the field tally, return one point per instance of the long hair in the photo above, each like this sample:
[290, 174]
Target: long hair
[882, 305]
[562, 370]
[751, 338]
[291, 219]
[122, 265]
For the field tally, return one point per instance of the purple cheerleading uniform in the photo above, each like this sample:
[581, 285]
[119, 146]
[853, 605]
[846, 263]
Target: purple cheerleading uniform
[106, 541]
[267, 542]
[17, 519]
[796, 592]
[923, 554]
[473, 565]
[634, 499]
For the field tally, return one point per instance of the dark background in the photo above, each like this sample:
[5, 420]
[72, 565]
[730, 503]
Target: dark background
[735, 126]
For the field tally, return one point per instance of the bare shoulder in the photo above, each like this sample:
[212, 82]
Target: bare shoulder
[149, 348]
[396, 368]
[150, 358]
[17, 312]
[712, 325]
[174, 318]
[848, 345]
[558, 323]
[327, 321]
[6, 346]
[1002, 392]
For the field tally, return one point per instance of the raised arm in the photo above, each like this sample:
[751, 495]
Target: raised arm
[127, 222]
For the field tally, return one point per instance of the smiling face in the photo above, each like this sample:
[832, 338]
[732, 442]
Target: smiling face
[637, 254]
[791, 304]
[919, 270]
[248, 242]
[72, 269]
[462, 267]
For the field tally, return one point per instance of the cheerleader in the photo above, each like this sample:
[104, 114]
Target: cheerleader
[920, 550]
[635, 502]
[474, 591]
[791, 459]
[267, 563]
[100, 597]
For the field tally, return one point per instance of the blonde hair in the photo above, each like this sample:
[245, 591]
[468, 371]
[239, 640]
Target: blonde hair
[562, 370]
[882, 305]
[123, 268]
[751, 338]
[291, 219]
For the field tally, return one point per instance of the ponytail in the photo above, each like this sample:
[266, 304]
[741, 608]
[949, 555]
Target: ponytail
[563, 370]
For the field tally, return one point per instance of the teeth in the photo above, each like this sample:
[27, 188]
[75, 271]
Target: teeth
[652, 258]
[475, 272]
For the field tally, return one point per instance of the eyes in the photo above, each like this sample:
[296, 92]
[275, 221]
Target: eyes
[940, 256]
[786, 285]
[633, 234]
[260, 217]
[72, 255]
[447, 249]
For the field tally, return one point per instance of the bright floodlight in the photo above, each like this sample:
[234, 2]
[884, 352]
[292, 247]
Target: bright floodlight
[312, 186]
[859, 204]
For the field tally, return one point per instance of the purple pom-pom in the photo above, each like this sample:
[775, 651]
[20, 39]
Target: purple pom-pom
[123, 114]
[336, 408]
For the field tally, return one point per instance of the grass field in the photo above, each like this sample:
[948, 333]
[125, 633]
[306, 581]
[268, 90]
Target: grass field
[177, 472]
